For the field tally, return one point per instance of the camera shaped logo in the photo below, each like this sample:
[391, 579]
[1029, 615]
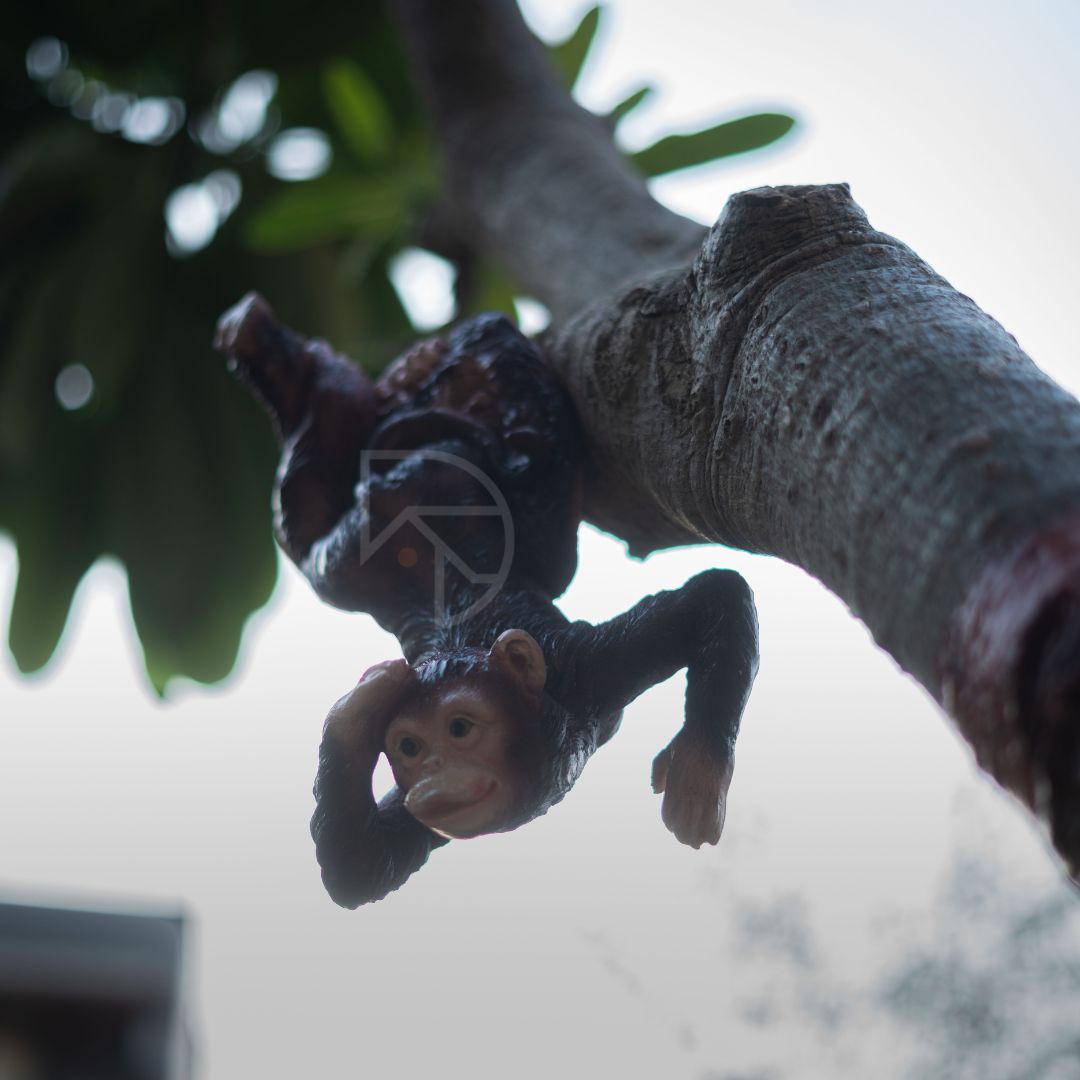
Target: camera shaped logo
[420, 516]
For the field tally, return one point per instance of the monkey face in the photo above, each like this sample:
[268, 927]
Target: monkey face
[451, 756]
[460, 753]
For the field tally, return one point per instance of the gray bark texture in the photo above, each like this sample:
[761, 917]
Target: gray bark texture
[793, 382]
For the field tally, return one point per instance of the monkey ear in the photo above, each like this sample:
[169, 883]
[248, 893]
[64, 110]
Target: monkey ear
[519, 655]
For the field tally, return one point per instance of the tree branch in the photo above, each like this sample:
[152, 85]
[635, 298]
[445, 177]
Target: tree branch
[790, 382]
[522, 160]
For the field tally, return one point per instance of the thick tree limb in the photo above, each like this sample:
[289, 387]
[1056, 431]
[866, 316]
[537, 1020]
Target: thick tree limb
[525, 168]
[790, 382]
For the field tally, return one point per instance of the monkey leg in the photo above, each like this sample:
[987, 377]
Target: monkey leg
[323, 409]
[291, 376]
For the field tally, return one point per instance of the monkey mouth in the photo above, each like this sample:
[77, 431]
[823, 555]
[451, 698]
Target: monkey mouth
[449, 807]
[457, 814]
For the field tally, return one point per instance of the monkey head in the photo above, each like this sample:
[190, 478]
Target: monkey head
[465, 735]
[476, 746]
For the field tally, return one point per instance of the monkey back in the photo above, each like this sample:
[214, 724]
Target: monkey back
[488, 387]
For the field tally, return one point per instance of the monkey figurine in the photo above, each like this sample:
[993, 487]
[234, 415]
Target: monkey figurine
[444, 499]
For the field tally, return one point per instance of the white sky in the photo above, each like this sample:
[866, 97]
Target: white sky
[590, 942]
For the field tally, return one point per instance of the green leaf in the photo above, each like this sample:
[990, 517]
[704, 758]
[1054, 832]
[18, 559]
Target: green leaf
[569, 55]
[31, 360]
[110, 315]
[381, 316]
[48, 577]
[47, 170]
[492, 291]
[723, 140]
[628, 104]
[317, 211]
[181, 509]
[53, 519]
[358, 109]
[170, 466]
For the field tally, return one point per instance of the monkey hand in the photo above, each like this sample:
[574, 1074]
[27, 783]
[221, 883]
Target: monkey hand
[694, 783]
[361, 717]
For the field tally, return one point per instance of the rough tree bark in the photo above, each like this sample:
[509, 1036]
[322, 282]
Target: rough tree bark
[792, 382]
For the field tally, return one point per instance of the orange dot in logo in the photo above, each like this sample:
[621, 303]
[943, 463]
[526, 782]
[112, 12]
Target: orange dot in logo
[407, 557]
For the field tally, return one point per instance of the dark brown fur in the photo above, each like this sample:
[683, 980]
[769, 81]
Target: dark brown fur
[486, 398]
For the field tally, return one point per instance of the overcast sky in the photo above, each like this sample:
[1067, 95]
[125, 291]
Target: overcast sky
[590, 942]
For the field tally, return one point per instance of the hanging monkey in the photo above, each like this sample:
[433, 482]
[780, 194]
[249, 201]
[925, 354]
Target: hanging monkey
[444, 499]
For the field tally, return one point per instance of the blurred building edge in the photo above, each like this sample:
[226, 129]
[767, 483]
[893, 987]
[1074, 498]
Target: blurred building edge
[91, 995]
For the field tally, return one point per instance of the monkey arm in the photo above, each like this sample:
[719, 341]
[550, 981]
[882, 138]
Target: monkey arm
[365, 850]
[709, 626]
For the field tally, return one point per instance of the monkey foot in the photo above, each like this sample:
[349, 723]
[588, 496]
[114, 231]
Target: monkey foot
[272, 360]
[1012, 677]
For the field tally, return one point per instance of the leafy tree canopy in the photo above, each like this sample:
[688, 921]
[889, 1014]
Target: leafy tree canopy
[158, 161]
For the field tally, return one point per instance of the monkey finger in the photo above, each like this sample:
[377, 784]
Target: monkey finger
[711, 824]
[660, 766]
[675, 813]
[380, 681]
[694, 821]
[368, 706]
[718, 821]
[387, 669]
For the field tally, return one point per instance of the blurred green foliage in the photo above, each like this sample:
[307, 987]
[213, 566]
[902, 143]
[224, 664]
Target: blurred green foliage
[110, 115]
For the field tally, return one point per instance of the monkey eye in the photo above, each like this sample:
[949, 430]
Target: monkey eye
[409, 746]
[460, 726]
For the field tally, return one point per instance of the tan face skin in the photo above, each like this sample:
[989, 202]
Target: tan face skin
[452, 756]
